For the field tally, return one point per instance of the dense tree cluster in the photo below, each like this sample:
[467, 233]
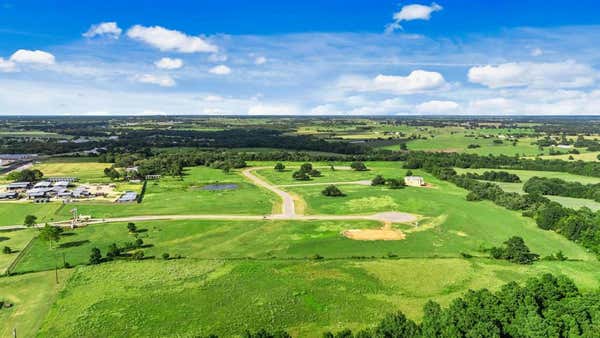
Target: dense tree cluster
[558, 187]
[25, 175]
[498, 176]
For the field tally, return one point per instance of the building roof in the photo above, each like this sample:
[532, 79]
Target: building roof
[8, 194]
[61, 184]
[128, 196]
[43, 184]
[19, 185]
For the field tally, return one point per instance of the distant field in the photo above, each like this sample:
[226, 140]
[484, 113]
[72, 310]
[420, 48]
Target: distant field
[303, 297]
[525, 175]
[86, 169]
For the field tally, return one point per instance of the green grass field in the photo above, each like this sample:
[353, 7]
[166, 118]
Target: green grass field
[32, 295]
[16, 240]
[86, 169]
[303, 297]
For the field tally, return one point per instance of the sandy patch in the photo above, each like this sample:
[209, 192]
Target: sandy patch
[386, 233]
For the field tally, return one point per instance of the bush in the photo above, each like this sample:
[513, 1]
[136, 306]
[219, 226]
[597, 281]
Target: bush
[95, 256]
[138, 255]
[279, 167]
[166, 256]
[306, 167]
[378, 180]
[514, 251]
[393, 183]
[358, 166]
[300, 176]
[7, 250]
[139, 242]
[315, 173]
[332, 191]
[131, 227]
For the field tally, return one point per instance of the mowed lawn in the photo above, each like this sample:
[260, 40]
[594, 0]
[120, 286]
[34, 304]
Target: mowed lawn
[13, 213]
[32, 295]
[136, 299]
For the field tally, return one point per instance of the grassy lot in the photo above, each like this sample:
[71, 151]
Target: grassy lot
[184, 196]
[303, 297]
[342, 174]
[459, 143]
[591, 156]
[13, 213]
[32, 296]
[86, 169]
[16, 240]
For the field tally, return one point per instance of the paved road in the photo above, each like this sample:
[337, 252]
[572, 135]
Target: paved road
[288, 207]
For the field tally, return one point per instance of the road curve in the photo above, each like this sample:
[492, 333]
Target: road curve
[288, 207]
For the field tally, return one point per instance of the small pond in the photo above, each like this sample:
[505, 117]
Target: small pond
[217, 187]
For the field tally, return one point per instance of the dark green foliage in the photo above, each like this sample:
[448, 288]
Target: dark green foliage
[112, 173]
[332, 191]
[50, 234]
[25, 175]
[166, 256]
[393, 183]
[306, 167]
[131, 227]
[113, 251]
[300, 176]
[378, 180]
[549, 214]
[279, 166]
[358, 166]
[409, 173]
[314, 173]
[265, 334]
[30, 220]
[514, 251]
[498, 176]
[139, 242]
[137, 255]
[6, 250]
[547, 306]
[558, 187]
[95, 256]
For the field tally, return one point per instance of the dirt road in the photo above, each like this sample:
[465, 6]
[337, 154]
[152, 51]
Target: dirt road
[288, 208]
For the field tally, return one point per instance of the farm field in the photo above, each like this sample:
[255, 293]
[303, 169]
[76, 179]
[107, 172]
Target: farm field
[86, 169]
[303, 297]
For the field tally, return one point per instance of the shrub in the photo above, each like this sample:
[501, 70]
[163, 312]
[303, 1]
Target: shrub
[7, 250]
[378, 180]
[358, 166]
[306, 167]
[95, 256]
[131, 227]
[138, 255]
[393, 183]
[332, 191]
[279, 167]
[166, 256]
[315, 173]
[300, 176]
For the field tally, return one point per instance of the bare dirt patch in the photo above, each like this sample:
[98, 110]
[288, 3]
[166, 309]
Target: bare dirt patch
[386, 233]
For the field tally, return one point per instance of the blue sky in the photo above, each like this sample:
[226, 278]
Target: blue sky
[299, 57]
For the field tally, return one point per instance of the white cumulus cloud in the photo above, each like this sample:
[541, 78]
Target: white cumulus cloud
[412, 12]
[7, 66]
[437, 107]
[170, 40]
[568, 74]
[169, 63]
[32, 56]
[220, 70]
[160, 80]
[109, 29]
[415, 82]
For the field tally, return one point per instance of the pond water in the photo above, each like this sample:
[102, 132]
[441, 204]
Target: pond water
[214, 187]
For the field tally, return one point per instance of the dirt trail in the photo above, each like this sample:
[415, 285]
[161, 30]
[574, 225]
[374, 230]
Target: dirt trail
[287, 206]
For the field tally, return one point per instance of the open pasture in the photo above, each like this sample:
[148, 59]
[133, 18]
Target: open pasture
[302, 297]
